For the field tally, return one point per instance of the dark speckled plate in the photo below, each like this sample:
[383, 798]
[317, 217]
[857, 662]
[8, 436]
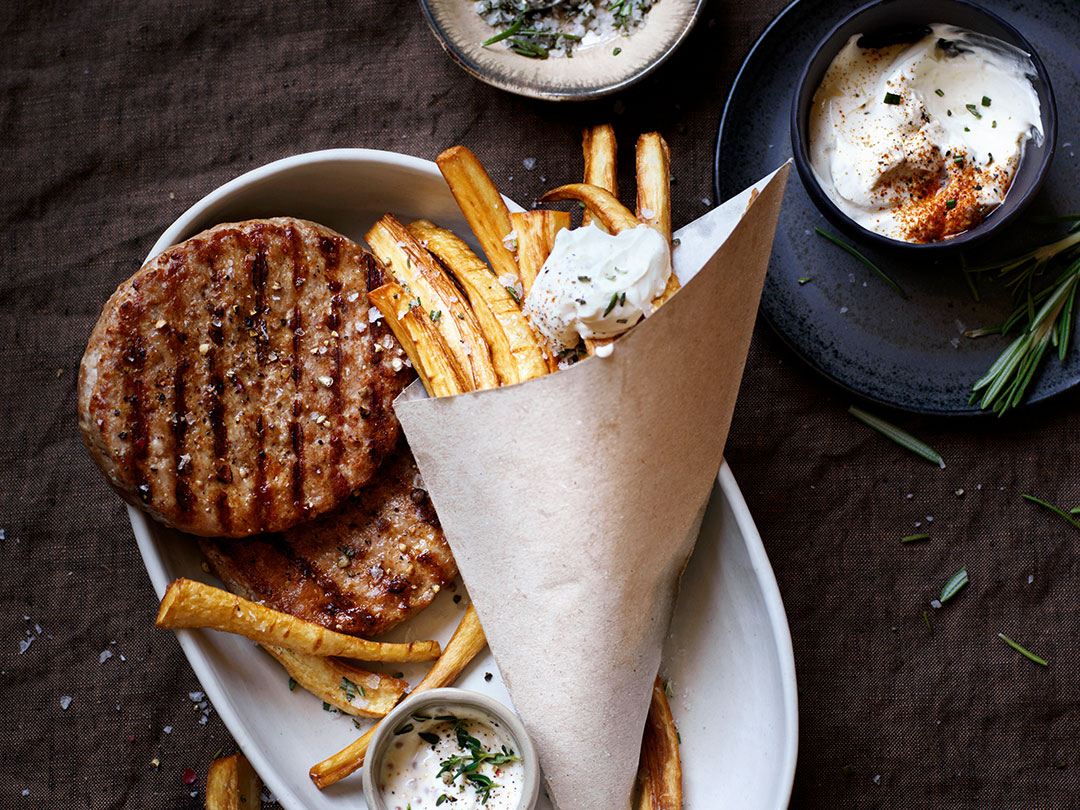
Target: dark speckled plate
[845, 322]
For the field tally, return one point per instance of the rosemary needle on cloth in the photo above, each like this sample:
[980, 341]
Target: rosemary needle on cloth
[901, 437]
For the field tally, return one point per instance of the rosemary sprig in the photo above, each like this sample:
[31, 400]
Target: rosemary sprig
[953, 586]
[901, 437]
[1026, 653]
[1045, 317]
[914, 538]
[1052, 508]
[896, 288]
[506, 33]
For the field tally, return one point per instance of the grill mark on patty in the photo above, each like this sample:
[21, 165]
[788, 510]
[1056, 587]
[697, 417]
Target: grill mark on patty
[262, 506]
[296, 429]
[303, 566]
[330, 250]
[180, 428]
[374, 414]
[259, 270]
[215, 405]
[135, 393]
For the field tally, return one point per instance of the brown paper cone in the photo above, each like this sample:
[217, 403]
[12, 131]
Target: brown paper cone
[572, 502]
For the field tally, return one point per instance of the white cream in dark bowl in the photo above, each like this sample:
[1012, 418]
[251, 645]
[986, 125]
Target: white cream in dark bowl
[919, 141]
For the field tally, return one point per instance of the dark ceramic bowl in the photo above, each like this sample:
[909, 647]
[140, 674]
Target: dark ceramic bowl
[890, 19]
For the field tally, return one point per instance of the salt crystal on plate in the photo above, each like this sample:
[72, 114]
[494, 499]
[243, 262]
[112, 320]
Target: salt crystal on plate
[529, 163]
[105, 656]
[65, 701]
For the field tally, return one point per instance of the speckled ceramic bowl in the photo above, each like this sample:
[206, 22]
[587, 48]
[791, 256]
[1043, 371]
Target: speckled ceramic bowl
[592, 72]
[385, 733]
[887, 18]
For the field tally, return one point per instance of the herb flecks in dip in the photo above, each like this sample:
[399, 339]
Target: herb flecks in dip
[919, 141]
[542, 28]
[451, 759]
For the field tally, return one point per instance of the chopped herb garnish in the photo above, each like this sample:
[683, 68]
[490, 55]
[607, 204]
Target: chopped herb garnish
[509, 32]
[1026, 653]
[513, 294]
[954, 585]
[584, 279]
[986, 101]
[616, 52]
[804, 279]
[436, 314]
[950, 203]
[901, 437]
[351, 689]
[405, 729]
[958, 161]
[611, 304]
[993, 124]
[914, 538]
[967, 129]
[971, 108]
[1052, 508]
[926, 620]
[676, 242]
[877, 270]
[940, 92]
[429, 737]
[443, 799]
[892, 98]
[292, 684]
[622, 300]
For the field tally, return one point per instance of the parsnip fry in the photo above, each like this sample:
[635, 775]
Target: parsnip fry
[466, 643]
[353, 690]
[654, 183]
[659, 770]
[516, 351]
[599, 147]
[421, 341]
[482, 205]
[232, 784]
[425, 279]
[192, 604]
[615, 216]
[536, 237]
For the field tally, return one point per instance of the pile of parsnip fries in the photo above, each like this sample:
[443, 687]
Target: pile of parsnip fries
[461, 322]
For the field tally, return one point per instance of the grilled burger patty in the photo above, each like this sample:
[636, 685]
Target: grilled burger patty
[234, 385]
[375, 561]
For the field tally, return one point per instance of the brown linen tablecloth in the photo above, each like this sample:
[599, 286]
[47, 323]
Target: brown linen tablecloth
[119, 115]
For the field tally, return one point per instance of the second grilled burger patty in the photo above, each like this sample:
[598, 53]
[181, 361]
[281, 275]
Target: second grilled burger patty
[378, 559]
[235, 384]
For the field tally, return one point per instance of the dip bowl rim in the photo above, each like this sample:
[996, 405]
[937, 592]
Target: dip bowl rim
[452, 696]
[1017, 198]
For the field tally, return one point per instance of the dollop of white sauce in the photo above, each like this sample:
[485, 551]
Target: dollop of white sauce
[410, 777]
[902, 134]
[597, 285]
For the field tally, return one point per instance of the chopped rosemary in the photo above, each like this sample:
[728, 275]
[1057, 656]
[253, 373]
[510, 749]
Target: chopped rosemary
[292, 684]
[1052, 508]
[506, 33]
[892, 98]
[926, 619]
[1044, 316]
[940, 92]
[971, 108]
[513, 293]
[1026, 653]
[953, 586]
[611, 304]
[986, 101]
[914, 538]
[901, 437]
[429, 737]
[950, 204]
[841, 243]
[804, 279]
[616, 52]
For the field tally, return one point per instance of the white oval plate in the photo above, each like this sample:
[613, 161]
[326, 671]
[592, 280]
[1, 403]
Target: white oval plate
[728, 657]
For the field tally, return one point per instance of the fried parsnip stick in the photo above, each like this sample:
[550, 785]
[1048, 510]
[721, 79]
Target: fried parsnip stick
[615, 216]
[466, 643]
[482, 205]
[415, 269]
[660, 771]
[421, 341]
[654, 196]
[516, 351]
[232, 784]
[599, 147]
[654, 183]
[536, 237]
[192, 604]
[353, 690]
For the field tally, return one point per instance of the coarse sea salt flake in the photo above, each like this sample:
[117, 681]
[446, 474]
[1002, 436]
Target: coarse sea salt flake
[529, 163]
[105, 656]
[65, 701]
[373, 315]
[24, 644]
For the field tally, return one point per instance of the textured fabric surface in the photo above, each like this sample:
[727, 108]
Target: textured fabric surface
[119, 115]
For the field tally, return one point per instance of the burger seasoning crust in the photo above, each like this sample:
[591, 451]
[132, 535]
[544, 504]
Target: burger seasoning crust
[236, 385]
